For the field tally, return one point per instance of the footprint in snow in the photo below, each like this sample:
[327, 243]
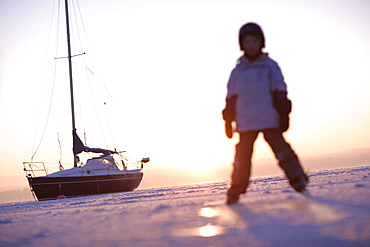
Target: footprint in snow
[160, 208]
[5, 221]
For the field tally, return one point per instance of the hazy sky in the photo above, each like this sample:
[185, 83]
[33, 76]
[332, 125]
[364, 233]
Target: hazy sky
[166, 65]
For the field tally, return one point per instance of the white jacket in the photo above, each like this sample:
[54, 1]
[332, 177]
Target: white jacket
[252, 84]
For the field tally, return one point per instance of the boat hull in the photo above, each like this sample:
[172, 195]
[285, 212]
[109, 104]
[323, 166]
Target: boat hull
[50, 188]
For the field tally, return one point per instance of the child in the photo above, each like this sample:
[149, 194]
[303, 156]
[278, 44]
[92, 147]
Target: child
[257, 102]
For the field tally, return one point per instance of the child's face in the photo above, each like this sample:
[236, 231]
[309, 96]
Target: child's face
[251, 45]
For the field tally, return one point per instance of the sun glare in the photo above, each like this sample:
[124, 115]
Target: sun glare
[208, 212]
[209, 230]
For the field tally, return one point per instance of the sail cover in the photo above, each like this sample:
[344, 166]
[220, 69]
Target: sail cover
[79, 147]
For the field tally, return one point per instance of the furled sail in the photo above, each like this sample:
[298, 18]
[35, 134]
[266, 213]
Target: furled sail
[79, 147]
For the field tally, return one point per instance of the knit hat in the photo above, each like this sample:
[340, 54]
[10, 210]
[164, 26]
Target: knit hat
[251, 28]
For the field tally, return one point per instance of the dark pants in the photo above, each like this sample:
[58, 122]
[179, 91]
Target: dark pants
[288, 160]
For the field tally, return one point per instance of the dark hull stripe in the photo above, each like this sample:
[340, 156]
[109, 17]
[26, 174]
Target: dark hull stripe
[88, 181]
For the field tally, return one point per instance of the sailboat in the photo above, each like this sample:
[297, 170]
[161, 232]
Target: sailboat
[99, 175]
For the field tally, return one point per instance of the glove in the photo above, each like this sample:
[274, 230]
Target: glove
[283, 106]
[229, 129]
[284, 122]
[281, 103]
[228, 115]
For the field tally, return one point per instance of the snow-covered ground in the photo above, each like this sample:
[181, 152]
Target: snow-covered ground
[270, 214]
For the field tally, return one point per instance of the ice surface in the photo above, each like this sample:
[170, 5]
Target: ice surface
[270, 214]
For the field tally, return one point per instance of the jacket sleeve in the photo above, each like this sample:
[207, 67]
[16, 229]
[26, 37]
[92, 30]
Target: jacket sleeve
[279, 90]
[232, 87]
[277, 78]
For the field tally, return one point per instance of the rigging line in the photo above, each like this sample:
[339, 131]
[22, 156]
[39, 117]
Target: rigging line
[60, 152]
[43, 78]
[92, 63]
[76, 23]
[85, 137]
[57, 98]
[130, 158]
[97, 116]
[105, 110]
[42, 86]
[110, 130]
[89, 70]
[105, 107]
[48, 116]
[105, 87]
[85, 34]
[89, 51]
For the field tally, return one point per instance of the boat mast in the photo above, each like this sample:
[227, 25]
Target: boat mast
[70, 76]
